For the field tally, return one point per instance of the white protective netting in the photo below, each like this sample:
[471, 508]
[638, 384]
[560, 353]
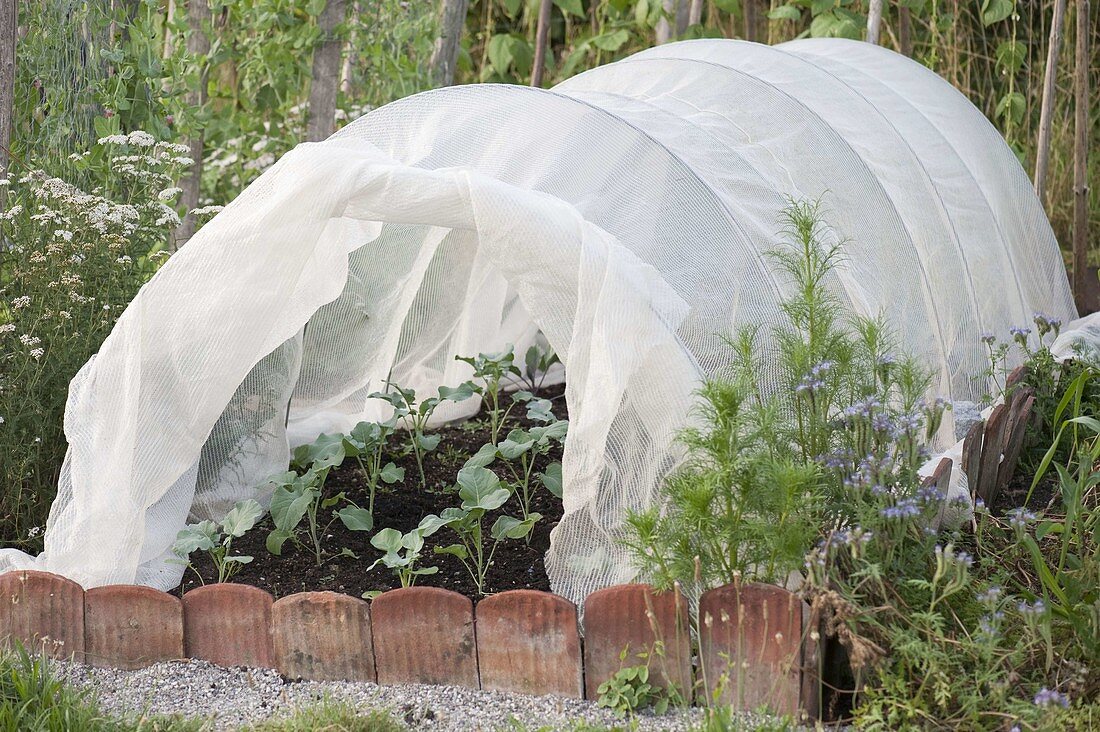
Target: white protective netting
[623, 214]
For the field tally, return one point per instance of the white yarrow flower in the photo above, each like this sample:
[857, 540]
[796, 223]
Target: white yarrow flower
[169, 193]
[37, 354]
[206, 210]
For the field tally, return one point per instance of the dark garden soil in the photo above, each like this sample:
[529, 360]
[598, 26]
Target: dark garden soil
[517, 564]
[1016, 492]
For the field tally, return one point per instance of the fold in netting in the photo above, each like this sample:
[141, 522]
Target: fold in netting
[623, 216]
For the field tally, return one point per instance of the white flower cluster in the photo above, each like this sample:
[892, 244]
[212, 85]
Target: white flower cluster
[206, 210]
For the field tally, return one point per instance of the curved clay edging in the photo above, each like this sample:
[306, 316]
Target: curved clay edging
[522, 641]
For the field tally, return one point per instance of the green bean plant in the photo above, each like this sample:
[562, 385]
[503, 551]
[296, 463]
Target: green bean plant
[217, 540]
[481, 491]
[417, 414]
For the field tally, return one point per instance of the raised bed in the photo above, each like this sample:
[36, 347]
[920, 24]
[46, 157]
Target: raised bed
[753, 648]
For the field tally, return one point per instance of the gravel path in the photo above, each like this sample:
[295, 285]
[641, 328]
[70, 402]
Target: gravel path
[234, 697]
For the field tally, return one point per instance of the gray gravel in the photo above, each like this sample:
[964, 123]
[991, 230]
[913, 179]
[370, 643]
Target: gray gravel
[230, 698]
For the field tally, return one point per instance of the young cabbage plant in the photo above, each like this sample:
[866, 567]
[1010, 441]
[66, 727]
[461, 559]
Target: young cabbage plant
[518, 452]
[299, 496]
[367, 444]
[481, 492]
[217, 541]
[416, 416]
[401, 553]
[491, 369]
[536, 363]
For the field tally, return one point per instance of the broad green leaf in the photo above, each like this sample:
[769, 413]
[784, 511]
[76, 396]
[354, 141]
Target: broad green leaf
[276, 539]
[413, 541]
[508, 527]
[610, 42]
[511, 7]
[288, 506]
[733, 7]
[1011, 55]
[539, 410]
[510, 448]
[457, 394]
[1012, 106]
[432, 523]
[240, 559]
[785, 12]
[478, 480]
[994, 11]
[485, 502]
[500, 53]
[641, 13]
[390, 473]
[483, 457]
[242, 517]
[196, 537]
[454, 549]
[327, 451]
[552, 478]
[387, 540]
[573, 7]
[333, 500]
[425, 570]
[428, 442]
[356, 519]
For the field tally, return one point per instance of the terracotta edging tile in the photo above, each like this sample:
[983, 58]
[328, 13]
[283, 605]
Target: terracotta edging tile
[424, 635]
[42, 611]
[229, 625]
[528, 643]
[624, 617]
[323, 636]
[750, 640]
[130, 626]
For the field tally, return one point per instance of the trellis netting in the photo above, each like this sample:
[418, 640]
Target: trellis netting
[622, 215]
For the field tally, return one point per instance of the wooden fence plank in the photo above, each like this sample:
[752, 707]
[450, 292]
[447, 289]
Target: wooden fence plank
[1023, 403]
[992, 447]
[44, 612]
[128, 626]
[751, 646]
[229, 625]
[424, 635]
[633, 618]
[972, 456]
[323, 636]
[528, 642]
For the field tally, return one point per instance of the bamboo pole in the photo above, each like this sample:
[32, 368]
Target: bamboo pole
[542, 42]
[1050, 79]
[1081, 154]
[667, 23]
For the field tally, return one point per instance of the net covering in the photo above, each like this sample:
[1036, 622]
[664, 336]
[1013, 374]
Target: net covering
[623, 215]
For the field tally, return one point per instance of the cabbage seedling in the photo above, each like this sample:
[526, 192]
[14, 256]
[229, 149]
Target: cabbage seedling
[481, 491]
[217, 541]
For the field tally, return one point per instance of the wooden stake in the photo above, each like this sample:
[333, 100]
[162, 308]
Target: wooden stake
[542, 41]
[874, 21]
[905, 31]
[1081, 154]
[326, 74]
[1050, 78]
[8, 35]
[695, 14]
[445, 56]
[198, 45]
